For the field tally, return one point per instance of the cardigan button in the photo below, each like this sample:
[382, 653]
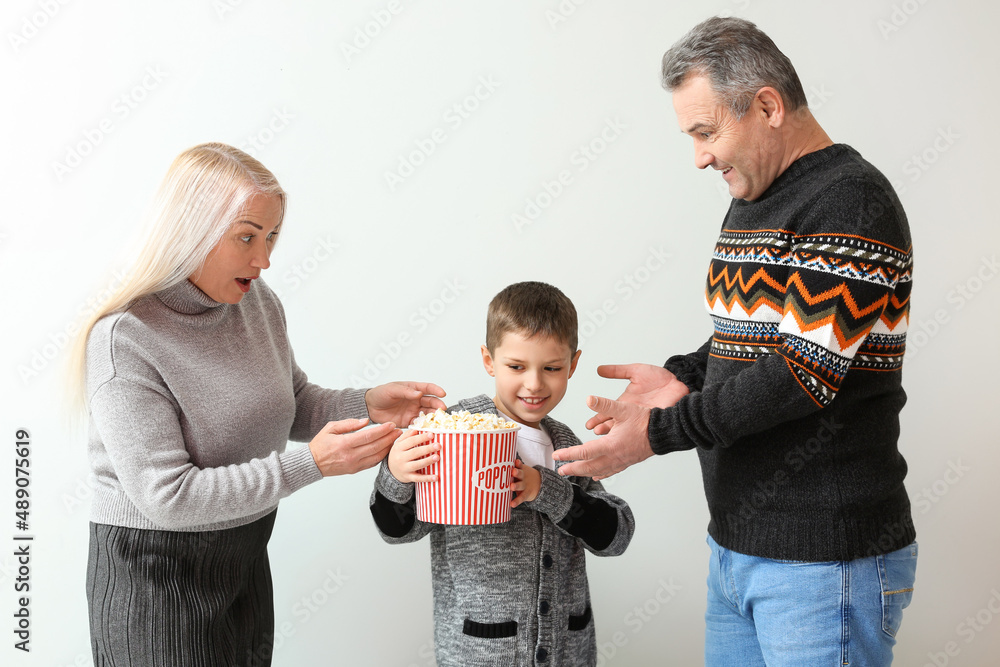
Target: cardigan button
[541, 655]
[547, 561]
[543, 607]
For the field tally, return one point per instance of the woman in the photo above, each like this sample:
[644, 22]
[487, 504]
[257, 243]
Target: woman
[193, 393]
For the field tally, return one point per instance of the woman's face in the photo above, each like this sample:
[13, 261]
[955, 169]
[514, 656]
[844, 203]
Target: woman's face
[242, 252]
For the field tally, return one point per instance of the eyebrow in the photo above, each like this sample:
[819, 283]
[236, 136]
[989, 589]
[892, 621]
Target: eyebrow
[254, 224]
[695, 128]
[512, 360]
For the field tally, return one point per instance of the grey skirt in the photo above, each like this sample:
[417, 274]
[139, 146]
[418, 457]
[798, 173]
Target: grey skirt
[170, 598]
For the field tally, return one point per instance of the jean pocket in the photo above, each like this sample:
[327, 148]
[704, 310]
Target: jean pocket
[896, 571]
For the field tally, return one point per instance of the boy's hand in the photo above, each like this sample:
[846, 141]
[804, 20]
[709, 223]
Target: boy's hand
[527, 483]
[410, 454]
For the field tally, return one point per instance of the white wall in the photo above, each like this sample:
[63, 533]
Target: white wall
[132, 84]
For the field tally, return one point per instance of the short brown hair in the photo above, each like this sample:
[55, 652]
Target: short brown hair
[531, 308]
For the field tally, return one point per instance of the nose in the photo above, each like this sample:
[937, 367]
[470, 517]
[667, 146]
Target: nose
[261, 257]
[702, 158]
[533, 380]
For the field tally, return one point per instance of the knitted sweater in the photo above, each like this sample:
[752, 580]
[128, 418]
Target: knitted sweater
[515, 593]
[795, 400]
[192, 404]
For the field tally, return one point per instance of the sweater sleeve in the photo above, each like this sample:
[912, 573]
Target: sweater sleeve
[583, 509]
[690, 368]
[840, 285]
[316, 405]
[579, 506]
[393, 508]
[140, 430]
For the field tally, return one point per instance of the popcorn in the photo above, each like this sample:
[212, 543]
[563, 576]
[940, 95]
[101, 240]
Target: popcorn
[462, 421]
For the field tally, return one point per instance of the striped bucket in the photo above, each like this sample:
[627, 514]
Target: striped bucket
[474, 477]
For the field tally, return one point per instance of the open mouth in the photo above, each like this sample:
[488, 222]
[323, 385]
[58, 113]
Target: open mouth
[726, 171]
[244, 284]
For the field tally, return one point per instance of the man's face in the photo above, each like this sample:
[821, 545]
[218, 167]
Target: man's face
[741, 149]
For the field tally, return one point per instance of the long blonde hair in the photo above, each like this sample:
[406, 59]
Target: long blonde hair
[205, 190]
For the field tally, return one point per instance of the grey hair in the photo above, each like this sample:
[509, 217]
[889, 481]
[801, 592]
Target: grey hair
[738, 59]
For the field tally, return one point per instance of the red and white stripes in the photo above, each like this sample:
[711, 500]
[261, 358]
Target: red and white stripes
[474, 476]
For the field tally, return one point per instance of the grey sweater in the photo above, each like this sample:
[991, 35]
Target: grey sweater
[192, 403]
[514, 593]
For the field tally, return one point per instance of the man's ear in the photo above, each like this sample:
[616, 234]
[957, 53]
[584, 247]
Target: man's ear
[768, 103]
[487, 360]
[572, 363]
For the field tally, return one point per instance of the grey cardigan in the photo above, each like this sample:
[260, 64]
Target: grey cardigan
[514, 593]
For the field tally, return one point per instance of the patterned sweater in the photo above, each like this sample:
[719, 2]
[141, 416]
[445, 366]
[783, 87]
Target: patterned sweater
[795, 400]
[514, 594]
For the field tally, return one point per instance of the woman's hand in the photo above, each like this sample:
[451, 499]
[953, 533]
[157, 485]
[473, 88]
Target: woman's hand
[340, 448]
[527, 483]
[410, 454]
[401, 402]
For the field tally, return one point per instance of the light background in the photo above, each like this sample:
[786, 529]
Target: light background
[112, 91]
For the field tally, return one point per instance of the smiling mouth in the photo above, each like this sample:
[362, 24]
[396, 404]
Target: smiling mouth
[726, 170]
[532, 401]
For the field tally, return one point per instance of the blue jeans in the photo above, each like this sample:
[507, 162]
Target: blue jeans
[775, 613]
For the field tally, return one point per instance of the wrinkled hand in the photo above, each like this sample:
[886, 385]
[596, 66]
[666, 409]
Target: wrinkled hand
[340, 448]
[526, 485]
[649, 386]
[411, 453]
[626, 443]
[401, 402]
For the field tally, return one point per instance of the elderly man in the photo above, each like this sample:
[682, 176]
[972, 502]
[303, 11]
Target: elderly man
[793, 403]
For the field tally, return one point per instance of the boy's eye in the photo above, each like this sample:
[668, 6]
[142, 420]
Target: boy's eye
[514, 367]
[553, 369]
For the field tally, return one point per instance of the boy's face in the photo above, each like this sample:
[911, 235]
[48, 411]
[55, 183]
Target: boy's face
[531, 375]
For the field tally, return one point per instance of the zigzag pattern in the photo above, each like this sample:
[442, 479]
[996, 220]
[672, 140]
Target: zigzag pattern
[812, 299]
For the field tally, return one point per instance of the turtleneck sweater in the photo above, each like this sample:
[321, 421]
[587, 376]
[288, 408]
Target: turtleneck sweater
[192, 404]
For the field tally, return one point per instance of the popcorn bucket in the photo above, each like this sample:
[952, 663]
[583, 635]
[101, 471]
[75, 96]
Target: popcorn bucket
[474, 476]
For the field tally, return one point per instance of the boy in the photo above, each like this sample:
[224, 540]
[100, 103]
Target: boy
[514, 593]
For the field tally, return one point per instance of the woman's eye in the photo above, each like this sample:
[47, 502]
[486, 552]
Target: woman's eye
[247, 238]
[272, 236]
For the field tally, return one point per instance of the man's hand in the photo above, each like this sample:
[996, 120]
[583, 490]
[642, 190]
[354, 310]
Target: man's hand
[401, 402]
[649, 386]
[625, 444]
